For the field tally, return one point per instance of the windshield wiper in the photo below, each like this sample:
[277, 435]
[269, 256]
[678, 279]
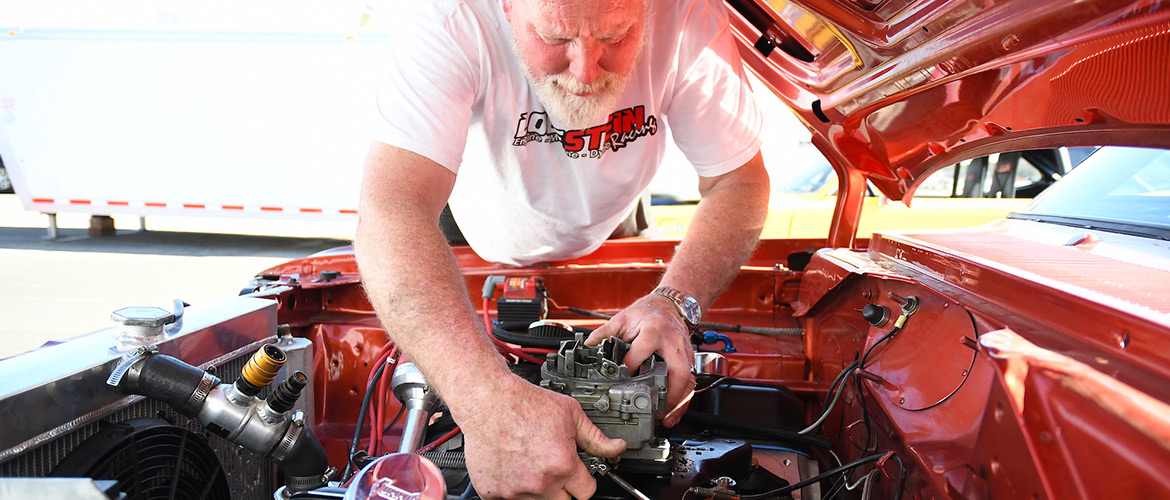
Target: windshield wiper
[1107, 225]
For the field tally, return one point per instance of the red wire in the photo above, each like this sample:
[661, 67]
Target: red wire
[501, 345]
[376, 415]
[442, 439]
[382, 397]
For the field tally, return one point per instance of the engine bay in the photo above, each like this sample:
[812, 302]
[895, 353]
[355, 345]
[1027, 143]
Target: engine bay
[756, 426]
[835, 374]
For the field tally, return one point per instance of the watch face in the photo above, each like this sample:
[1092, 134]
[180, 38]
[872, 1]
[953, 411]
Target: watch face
[690, 309]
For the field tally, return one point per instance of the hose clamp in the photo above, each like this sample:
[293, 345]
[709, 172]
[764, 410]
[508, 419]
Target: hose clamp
[295, 428]
[128, 361]
[199, 395]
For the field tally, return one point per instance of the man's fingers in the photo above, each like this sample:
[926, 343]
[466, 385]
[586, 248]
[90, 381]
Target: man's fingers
[601, 333]
[640, 351]
[581, 484]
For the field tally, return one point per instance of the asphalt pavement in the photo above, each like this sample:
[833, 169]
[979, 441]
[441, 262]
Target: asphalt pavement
[54, 289]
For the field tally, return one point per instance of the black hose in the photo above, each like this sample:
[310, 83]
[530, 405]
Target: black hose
[715, 421]
[469, 492]
[703, 325]
[524, 340]
[306, 463]
[169, 380]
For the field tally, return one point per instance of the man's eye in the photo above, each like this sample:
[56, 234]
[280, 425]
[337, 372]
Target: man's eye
[614, 40]
[554, 40]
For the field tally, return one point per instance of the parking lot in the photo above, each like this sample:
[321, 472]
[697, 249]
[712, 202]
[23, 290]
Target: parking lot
[54, 289]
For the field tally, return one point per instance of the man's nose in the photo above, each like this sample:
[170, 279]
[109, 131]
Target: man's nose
[584, 61]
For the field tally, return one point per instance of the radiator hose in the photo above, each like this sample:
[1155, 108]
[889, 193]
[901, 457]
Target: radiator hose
[233, 411]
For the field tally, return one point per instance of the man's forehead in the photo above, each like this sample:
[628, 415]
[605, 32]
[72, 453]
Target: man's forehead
[598, 15]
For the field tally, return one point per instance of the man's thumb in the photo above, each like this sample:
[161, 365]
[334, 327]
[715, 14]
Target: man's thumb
[595, 442]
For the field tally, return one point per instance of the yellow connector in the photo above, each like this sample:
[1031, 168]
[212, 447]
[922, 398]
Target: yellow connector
[263, 366]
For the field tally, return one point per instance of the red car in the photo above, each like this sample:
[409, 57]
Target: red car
[1021, 359]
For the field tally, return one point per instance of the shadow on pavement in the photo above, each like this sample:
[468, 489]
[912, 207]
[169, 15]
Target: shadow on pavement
[166, 243]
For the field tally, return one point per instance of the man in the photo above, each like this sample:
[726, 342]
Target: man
[560, 109]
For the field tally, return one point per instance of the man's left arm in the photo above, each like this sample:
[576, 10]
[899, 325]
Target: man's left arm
[721, 237]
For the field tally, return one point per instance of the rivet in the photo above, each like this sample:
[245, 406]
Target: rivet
[1121, 339]
[1010, 42]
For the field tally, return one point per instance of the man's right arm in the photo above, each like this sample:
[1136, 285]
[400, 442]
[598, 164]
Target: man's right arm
[520, 439]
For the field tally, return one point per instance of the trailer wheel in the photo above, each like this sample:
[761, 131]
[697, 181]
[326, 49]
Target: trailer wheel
[5, 181]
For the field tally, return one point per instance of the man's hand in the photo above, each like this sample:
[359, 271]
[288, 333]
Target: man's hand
[524, 445]
[653, 325]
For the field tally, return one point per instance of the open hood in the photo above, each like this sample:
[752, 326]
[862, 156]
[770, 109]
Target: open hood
[892, 90]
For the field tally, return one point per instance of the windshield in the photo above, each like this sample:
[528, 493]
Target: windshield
[809, 179]
[1115, 189]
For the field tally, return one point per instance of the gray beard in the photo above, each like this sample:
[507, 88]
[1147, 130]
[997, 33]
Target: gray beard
[573, 111]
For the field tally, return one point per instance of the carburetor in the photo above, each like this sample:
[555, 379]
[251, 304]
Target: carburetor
[623, 406]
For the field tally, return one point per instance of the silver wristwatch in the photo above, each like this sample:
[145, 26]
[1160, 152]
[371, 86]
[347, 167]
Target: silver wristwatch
[687, 306]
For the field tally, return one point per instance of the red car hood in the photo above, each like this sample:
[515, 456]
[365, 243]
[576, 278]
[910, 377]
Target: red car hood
[893, 90]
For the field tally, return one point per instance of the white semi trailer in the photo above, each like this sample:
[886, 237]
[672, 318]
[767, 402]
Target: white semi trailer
[179, 107]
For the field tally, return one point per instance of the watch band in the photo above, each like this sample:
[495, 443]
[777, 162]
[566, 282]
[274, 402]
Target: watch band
[687, 306]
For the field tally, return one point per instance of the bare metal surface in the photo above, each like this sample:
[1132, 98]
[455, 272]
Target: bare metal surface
[243, 422]
[58, 388]
[411, 388]
[621, 405]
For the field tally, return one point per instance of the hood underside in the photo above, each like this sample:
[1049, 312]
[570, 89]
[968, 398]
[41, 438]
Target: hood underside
[893, 90]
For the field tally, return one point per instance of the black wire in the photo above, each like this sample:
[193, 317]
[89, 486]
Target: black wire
[837, 380]
[401, 410]
[357, 431]
[837, 487]
[469, 492]
[875, 344]
[861, 387]
[815, 479]
[901, 478]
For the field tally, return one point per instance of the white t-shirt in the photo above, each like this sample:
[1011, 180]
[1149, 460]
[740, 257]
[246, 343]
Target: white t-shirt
[527, 190]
